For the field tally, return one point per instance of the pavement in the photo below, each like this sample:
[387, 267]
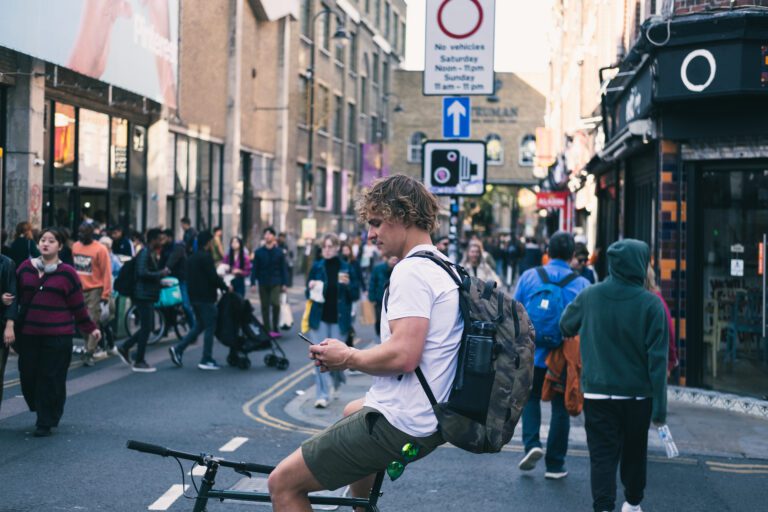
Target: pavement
[696, 429]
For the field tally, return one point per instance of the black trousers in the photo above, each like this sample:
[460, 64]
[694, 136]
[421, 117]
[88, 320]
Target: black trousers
[146, 311]
[617, 435]
[43, 365]
[4, 350]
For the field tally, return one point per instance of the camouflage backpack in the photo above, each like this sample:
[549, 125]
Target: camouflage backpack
[494, 373]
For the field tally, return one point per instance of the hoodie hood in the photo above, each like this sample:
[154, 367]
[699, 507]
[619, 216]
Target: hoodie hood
[628, 261]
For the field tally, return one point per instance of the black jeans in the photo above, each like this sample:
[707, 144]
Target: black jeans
[146, 311]
[3, 361]
[269, 295]
[43, 365]
[617, 433]
[205, 313]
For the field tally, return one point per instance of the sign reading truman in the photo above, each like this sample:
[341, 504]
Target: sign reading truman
[455, 168]
[132, 44]
[459, 47]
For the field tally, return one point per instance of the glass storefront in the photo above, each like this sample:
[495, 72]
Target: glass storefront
[97, 171]
[731, 225]
[195, 183]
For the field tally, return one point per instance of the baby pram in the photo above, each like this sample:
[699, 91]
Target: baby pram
[239, 329]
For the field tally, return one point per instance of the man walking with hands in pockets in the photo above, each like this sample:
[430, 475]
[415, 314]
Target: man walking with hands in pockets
[421, 327]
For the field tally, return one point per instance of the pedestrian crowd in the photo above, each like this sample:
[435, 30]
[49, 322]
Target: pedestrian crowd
[613, 367]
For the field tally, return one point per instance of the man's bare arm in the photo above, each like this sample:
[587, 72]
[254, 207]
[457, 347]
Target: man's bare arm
[400, 354]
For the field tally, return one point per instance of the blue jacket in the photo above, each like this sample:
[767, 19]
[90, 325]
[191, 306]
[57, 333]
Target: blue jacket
[348, 294]
[269, 267]
[530, 281]
[379, 281]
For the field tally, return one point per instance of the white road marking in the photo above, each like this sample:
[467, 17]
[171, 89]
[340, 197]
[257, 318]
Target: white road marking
[166, 500]
[234, 444]
[198, 471]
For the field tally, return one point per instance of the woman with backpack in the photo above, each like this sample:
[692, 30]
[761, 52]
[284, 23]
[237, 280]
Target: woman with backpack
[239, 264]
[51, 305]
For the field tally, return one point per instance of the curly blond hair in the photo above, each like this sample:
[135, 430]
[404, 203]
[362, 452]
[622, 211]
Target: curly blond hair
[401, 199]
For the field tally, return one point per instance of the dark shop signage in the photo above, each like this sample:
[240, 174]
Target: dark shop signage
[712, 69]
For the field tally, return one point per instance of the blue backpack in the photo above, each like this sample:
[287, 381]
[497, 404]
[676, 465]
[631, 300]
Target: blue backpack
[545, 307]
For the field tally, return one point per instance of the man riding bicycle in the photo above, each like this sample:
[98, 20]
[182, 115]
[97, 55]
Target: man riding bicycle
[416, 331]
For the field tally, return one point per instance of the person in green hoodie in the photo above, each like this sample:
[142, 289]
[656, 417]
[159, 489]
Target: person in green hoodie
[624, 338]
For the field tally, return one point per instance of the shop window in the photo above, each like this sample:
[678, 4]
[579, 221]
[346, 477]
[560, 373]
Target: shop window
[494, 149]
[93, 149]
[138, 159]
[527, 151]
[118, 154]
[182, 164]
[415, 147]
[64, 123]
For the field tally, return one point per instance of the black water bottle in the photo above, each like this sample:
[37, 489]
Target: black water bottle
[480, 348]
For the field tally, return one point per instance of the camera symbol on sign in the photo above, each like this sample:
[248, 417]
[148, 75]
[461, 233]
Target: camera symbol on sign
[449, 168]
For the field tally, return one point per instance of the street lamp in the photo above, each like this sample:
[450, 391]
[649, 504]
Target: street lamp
[398, 106]
[342, 35]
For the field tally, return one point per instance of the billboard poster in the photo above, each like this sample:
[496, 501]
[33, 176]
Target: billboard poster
[132, 44]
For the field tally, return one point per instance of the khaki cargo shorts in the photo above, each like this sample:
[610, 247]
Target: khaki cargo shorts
[357, 446]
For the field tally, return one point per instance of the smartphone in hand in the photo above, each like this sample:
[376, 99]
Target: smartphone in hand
[306, 339]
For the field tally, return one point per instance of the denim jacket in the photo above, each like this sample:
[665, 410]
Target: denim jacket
[348, 294]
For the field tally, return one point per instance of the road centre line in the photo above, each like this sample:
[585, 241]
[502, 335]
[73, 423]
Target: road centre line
[739, 471]
[737, 466]
[169, 498]
[234, 444]
[276, 390]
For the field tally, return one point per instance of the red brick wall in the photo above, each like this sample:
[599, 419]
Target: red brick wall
[691, 6]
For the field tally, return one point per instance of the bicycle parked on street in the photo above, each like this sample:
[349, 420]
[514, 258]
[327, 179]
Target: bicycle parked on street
[212, 464]
[168, 314]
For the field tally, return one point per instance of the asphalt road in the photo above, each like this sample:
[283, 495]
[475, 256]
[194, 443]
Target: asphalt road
[85, 466]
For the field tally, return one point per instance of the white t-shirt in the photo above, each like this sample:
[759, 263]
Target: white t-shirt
[420, 288]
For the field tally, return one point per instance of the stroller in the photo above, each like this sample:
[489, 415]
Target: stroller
[239, 329]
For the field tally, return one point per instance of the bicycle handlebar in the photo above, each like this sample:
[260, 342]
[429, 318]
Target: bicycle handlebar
[202, 459]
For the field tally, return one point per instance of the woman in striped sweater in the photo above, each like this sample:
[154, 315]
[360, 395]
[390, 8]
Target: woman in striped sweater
[51, 305]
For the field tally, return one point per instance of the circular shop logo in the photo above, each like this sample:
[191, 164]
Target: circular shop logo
[456, 18]
[705, 54]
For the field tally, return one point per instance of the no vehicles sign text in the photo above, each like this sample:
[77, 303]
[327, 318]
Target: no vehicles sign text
[459, 47]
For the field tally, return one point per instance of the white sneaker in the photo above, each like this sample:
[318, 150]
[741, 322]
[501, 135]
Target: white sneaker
[556, 475]
[99, 355]
[533, 456]
[321, 403]
[334, 394]
[626, 507]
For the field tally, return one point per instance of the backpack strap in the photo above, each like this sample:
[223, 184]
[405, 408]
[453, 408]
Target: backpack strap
[425, 386]
[568, 280]
[541, 271]
[543, 275]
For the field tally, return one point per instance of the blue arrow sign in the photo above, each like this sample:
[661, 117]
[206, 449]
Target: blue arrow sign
[456, 117]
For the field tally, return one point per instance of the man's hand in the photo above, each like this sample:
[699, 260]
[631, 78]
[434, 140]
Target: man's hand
[9, 336]
[8, 299]
[658, 424]
[331, 354]
[284, 289]
[166, 271]
[96, 335]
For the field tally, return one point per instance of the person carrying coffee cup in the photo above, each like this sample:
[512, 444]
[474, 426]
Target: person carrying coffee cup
[331, 318]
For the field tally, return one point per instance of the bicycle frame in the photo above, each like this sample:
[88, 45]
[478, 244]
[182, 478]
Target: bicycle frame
[212, 464]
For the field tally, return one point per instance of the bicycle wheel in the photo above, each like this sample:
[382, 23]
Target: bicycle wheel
[132, 324]
[181, 326]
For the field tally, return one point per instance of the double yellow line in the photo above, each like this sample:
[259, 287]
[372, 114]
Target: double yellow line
[278, 389]
[741, 469]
